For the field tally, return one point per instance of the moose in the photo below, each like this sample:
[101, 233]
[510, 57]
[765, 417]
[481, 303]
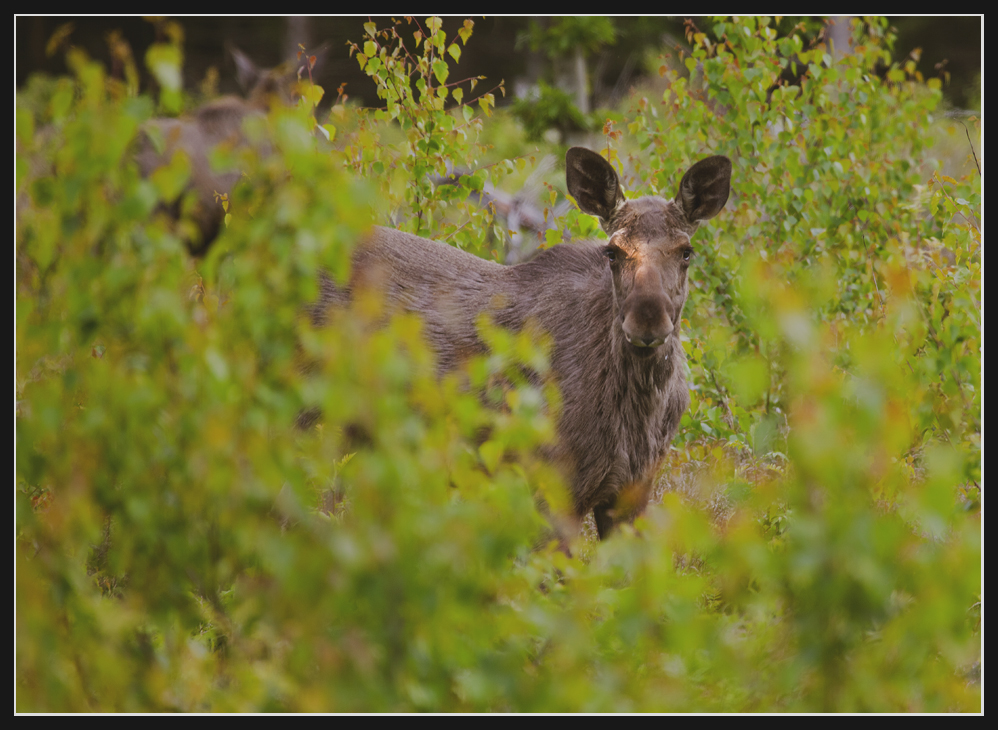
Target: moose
[612, 311]
[218, 122]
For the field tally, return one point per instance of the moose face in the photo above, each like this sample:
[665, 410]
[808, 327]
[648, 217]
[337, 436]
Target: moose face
[649, 254]
[649, 251]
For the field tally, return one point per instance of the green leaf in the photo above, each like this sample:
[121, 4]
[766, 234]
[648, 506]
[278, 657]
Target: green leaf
[465, 31]
[440, 70]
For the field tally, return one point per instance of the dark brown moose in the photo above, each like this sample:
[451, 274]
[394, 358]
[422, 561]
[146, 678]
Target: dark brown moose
[217, 122]
[612, 311]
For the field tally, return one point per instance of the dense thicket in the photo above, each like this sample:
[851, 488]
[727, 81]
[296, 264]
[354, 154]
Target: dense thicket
[181, 546]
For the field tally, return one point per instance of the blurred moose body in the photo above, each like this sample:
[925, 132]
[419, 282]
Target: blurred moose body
[215, 123]
[612, 311]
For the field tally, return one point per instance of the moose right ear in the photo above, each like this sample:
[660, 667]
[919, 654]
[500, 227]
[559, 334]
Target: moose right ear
[593, 183]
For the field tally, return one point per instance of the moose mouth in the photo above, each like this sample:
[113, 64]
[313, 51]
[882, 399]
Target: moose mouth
[643, 347]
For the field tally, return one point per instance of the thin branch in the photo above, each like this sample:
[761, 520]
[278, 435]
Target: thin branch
[970, 142]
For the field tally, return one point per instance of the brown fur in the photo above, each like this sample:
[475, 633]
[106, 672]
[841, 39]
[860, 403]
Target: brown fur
[612, 311]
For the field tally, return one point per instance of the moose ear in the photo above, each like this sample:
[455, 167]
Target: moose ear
[247, 73]
[704, 188]
[593, 183]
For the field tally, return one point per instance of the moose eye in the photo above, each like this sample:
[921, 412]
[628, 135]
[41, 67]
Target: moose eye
[687, 254]
[613, 254]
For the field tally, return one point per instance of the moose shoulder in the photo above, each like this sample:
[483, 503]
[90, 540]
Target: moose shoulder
[612, 310]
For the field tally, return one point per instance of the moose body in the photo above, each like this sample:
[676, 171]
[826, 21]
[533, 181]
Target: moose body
[612, 311]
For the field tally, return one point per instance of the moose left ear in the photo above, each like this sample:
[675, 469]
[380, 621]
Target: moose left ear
[704, 188]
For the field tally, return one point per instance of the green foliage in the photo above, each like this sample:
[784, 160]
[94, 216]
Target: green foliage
[561, 36]
[165, 61]
[552, 109]
[816, 323]
[182, 547]
[435, 172]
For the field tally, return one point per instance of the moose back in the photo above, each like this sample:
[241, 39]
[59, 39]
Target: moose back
[612, 311]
